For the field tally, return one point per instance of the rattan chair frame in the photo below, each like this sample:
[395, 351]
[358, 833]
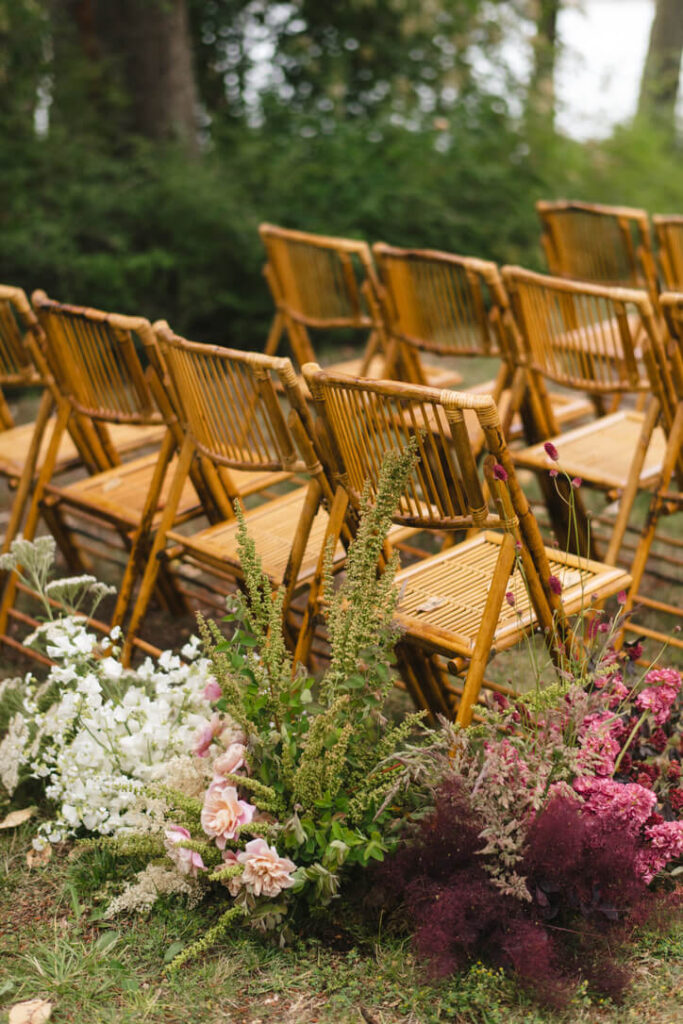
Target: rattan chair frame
[667, 497]
[583, 337]
[585, 241]
[227, 406]
[362, 420]
[669, 234]
[91, 356]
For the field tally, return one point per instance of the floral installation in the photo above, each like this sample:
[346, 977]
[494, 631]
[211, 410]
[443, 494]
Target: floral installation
[554, 817]
[305, 783]
[95, 734]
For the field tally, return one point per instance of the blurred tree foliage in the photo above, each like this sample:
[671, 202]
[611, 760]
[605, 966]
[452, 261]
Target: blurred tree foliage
[391, 119]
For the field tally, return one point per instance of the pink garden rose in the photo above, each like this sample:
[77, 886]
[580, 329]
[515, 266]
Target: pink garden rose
[223, 813]
[230, 761]
[188, 862]
[206, 736]
[265, 872]
[233, 884]
[212, 690]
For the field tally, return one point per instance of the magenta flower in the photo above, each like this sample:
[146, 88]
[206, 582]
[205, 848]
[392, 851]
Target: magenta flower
[657, 699]
[500, 472]
[552, 473]
[555, 585]
[510, 598]
[188, 862]
[665, 844]
[551, 451]
[576, 482]
[628, 802]
[622, 597]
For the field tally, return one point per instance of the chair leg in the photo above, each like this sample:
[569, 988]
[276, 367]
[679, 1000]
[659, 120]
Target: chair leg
[632, 485]
[489, 621]
[28, 473]
[33, 514]
[303, 532]
[152, 568]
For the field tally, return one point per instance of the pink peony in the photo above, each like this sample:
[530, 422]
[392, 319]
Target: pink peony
[230, 761]
[212, 690]
[223, 813]
[188, 862]
[265, 872]
[630, 802]
[665, 843]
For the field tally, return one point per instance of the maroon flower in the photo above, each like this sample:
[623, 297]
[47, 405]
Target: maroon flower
[555, 585]
[674, 771]
[510, 598]
[551, 451]
[500, 472]
[676, 799]
[659, 740]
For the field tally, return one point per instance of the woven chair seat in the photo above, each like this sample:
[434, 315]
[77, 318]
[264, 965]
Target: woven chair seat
[119, 494]
[601, 452]
[15, 443]
[272, 528]
[443, 597]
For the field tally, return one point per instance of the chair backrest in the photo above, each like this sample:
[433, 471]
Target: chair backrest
[439, 302]
[95, 359]
[672, 307]
[227, 403]
[669, 234]
[596, 339]
[16, 320]
[365, 420]
[609, 245]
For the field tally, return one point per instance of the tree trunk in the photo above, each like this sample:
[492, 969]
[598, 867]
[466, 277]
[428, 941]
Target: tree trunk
[151, 40]
[541, 99]
[661, 74]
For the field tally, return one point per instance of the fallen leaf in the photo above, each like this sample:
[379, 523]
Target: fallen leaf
[38, 858]
[33, 1011]
[15, 818]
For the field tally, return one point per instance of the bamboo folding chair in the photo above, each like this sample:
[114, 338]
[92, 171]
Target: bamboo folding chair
[23, 446]
[669, 235]
[457, 306]
[452, 604]
[610, 245]
[583, 337]
[667, 499]
[100, 381]
[231, 418]
[322, 283]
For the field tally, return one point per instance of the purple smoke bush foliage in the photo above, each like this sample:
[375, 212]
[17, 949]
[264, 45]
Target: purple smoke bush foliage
[556, 831]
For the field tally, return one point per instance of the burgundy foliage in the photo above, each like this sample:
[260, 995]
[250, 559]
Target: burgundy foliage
[586, 897]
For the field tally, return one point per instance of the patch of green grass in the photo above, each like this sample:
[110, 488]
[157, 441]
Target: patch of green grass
[53, 945]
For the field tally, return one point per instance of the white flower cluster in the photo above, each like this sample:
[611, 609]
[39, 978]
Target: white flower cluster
[98, 742]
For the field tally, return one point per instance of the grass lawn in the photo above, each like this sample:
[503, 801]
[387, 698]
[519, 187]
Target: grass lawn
[54, 946]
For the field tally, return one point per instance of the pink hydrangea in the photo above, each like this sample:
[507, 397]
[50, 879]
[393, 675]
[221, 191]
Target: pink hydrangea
[224, 813]
[265, 872]
[188, 862]
[631, 803]
[665, 843]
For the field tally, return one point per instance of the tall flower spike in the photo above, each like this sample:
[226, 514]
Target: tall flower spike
[555, 585]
